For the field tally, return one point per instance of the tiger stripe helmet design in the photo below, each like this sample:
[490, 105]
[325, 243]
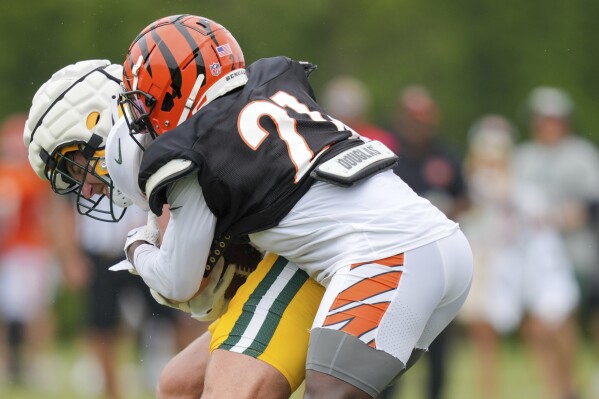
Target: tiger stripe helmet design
[174, 67]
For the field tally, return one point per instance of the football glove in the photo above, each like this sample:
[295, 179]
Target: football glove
[210, 303]
[229, 273]
[149, 233]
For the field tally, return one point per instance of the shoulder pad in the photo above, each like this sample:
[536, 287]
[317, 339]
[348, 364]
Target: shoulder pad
[168, 173]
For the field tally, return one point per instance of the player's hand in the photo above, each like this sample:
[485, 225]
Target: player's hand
[229, 273]
[210, 302]
[150, 233]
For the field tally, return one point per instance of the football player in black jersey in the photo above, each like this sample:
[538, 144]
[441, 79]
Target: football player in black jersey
[250, 154]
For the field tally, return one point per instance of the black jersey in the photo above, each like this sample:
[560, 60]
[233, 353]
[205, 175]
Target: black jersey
[253, 149]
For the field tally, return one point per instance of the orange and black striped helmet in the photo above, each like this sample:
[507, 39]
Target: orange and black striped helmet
[175, 66]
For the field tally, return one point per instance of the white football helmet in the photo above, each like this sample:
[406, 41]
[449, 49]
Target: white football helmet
[74, 111]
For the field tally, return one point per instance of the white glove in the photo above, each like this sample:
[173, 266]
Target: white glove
[149, 233]
[210, 303]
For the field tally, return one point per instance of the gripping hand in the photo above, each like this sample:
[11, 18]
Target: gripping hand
[210, 303]
[149, 233]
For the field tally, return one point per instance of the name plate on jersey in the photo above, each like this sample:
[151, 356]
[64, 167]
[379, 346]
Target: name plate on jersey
[355, 164]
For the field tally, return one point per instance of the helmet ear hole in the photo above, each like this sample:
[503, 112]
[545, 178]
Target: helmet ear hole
[92, 120]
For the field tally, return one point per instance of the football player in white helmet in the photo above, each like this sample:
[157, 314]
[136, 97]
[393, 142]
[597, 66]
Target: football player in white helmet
[78, 141]
[64, 120]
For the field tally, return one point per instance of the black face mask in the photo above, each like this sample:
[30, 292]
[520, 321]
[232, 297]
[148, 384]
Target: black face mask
[137, 118]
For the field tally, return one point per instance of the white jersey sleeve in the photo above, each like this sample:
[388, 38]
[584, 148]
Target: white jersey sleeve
[175, 270]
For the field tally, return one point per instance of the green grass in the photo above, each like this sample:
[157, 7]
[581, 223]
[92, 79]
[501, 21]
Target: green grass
[518, 376]
[68, 372]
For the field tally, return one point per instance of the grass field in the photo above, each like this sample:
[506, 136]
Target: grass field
[518, 377]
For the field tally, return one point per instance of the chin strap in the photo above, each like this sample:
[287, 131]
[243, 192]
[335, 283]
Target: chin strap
[191, 99]
[135, 71]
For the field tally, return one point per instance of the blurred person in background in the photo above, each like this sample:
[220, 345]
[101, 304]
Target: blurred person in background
[564, 166]
[523, 275]
[348, 99]
[593, 305]
[28, 276]
[429, 163]
[433, 169]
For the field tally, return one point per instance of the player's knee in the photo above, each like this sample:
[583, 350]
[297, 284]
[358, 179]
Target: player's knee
[253, 378]
[164, 388]
[323, 386]
[173, 385]
[325, 369]
[247, 390]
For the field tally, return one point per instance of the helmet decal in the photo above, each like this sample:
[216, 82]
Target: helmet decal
[224, 50]
[92, 120]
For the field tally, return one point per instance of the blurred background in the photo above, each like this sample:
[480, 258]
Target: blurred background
[493, 108]
[477, 56]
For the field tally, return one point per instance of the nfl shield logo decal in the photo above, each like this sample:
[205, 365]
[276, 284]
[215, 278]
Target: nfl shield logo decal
[215, 69]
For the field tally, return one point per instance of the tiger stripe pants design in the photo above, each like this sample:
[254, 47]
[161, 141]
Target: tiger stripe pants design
[375, 315]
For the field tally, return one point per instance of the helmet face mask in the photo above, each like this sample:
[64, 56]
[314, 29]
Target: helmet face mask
[174, 67]
[137, 115]
[68, 171]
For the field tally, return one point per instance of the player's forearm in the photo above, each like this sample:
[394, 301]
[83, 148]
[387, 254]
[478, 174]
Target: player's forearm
[175, 270]
[175, 281]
